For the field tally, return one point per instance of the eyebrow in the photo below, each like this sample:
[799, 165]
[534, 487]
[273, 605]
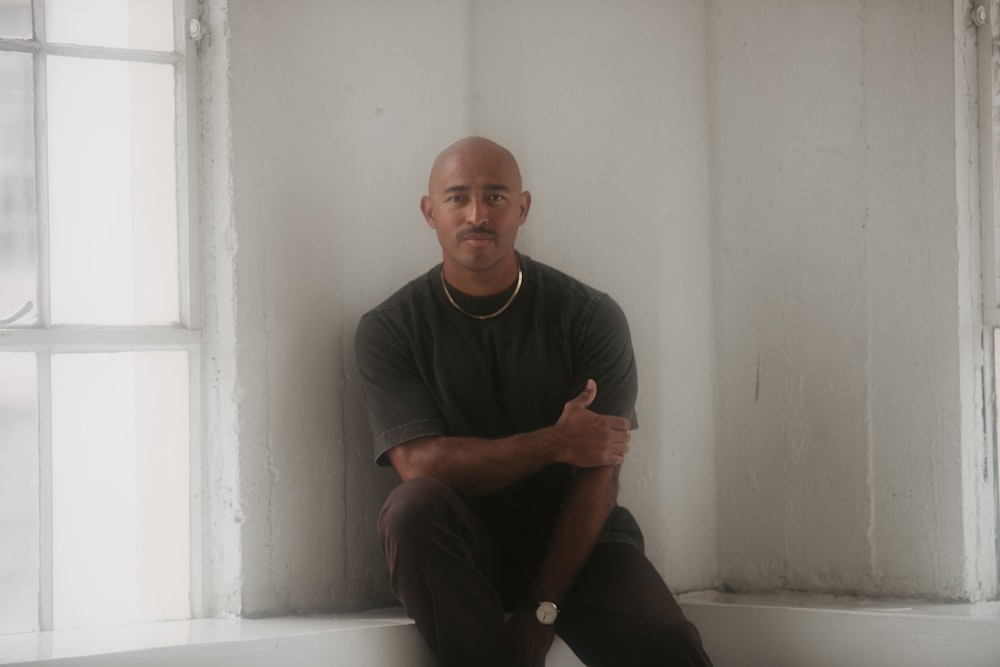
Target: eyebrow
[491, 187]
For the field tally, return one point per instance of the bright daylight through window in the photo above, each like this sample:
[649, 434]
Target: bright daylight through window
[98, 348]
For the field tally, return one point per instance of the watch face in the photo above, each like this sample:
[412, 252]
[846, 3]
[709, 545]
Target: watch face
[546, 613]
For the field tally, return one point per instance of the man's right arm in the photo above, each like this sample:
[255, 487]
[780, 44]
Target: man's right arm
[478, 466]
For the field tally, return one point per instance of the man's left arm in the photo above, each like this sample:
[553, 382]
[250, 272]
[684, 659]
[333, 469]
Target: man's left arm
[590, 499]
[606, 353]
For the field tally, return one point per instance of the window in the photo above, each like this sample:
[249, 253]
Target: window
[99, 347]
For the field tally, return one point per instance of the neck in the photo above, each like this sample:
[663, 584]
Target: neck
[485, 282]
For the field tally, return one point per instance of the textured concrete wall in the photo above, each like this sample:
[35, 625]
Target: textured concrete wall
[337, 108]
[845, 302]
[605, 104]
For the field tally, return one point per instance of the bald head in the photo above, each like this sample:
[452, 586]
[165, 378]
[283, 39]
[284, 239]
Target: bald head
[475, 151]
[475, 204]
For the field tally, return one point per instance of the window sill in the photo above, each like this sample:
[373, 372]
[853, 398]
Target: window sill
[792, 630]
[738, 630]
[376, 638]
[268, 641]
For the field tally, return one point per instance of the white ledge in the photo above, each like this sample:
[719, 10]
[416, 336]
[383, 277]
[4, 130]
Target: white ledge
[374, 637]
[792, 630]
[845, 603]
[786, 630]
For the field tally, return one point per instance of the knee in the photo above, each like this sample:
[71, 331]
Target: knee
[413, 508]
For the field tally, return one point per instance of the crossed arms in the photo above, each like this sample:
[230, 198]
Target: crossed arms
[580, 438]
[594, 445]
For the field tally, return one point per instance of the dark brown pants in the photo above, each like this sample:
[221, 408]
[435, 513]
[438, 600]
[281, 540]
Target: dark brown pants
[455, 577]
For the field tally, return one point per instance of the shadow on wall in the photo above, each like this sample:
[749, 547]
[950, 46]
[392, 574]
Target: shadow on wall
[366, 486]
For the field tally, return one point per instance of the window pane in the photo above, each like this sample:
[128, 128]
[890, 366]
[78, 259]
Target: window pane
[17, 190]
[18, 493]
[112, 192]
[15, 19]
[120, 488]
[123, 24]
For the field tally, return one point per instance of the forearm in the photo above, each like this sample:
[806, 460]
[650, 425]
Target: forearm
[477, 466]
[591, 498]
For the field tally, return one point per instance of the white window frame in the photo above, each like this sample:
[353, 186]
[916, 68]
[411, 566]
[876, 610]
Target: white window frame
[45, 339]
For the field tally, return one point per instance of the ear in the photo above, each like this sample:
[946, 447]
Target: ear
[525, 204]
[427, 210]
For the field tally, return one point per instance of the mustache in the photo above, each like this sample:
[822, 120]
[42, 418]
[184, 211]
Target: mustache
[477, 231]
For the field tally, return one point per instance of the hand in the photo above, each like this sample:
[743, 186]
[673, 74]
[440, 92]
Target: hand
[589, 439]
[529, 639]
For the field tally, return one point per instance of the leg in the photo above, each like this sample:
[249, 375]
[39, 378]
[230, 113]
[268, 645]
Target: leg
[621, 613]
[438, 555]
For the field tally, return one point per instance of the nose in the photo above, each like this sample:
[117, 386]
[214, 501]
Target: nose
[476, 212]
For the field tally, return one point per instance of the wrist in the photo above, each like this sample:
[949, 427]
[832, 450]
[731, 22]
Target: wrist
[544, 610]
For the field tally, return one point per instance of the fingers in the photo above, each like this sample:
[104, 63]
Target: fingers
[610, 454]
[587, 396]
[615, 450]
[607, 457]
[616, 428]
[616, 457]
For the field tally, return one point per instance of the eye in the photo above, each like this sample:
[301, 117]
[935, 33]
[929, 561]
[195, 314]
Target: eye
[495, 198]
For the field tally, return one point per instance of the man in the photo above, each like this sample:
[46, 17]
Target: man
[502, 392]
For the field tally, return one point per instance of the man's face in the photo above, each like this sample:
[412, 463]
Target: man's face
[476, 206]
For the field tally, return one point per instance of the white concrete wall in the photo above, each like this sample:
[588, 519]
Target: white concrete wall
[605, 105]
[845, 303]
[336, 108]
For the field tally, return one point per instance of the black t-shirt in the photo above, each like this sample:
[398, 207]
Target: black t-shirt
[428, 369]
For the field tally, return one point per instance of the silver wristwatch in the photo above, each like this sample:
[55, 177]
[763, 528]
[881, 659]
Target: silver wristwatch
[546, 613]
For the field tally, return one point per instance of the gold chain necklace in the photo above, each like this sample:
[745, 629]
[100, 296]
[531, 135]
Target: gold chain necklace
[488, 315]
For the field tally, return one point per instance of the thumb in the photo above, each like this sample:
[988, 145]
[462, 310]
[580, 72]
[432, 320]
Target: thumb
[587, 396]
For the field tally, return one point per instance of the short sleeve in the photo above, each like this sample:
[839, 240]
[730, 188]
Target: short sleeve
[400, 407]
[604, 353]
